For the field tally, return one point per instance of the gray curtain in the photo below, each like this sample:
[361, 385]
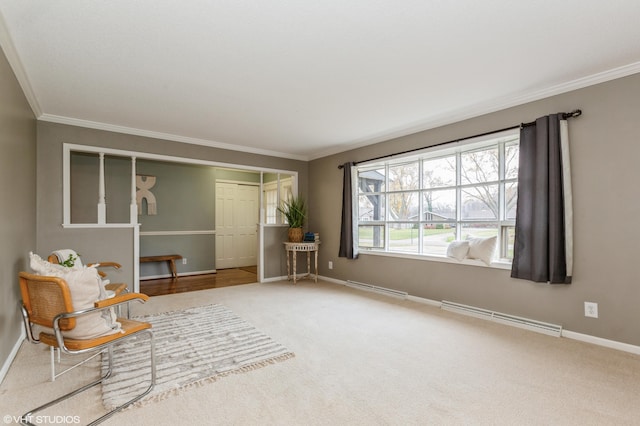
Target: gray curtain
[540, 249]
[348, 246]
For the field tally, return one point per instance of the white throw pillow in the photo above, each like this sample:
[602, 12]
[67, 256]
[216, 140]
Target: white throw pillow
[482, 248]
[86, 288]
[42, 267]
[458, 249]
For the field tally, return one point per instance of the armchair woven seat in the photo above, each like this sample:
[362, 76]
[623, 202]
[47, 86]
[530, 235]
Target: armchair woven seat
[47, 302]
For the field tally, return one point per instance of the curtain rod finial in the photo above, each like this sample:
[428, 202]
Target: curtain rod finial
[574, 113]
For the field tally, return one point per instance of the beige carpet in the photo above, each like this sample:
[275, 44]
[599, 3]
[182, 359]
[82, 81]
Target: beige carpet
[193, 347]
[370, 360]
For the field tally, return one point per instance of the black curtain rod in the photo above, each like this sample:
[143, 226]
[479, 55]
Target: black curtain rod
[565, 115]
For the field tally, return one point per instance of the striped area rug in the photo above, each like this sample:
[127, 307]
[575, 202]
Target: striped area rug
[193, 347]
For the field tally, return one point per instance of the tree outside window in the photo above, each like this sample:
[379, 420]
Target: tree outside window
[420, 204]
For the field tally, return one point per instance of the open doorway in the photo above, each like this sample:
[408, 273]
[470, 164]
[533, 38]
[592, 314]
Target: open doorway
[178, 216]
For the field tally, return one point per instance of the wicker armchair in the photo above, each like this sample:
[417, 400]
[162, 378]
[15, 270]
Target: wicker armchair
[47, 302]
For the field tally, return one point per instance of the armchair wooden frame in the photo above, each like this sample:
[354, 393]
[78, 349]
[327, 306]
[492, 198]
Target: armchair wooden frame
[47, 302]
[116, 288]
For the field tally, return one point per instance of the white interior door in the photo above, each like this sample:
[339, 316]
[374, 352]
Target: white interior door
[247, 212]
[237, 216]
[225, 249]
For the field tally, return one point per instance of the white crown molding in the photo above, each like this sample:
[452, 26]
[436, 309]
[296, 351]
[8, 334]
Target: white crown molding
[6, 43]
[446, 118]
[167, 136]
[494, 105]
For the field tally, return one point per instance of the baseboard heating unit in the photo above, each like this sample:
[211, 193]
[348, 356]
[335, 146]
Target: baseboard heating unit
[376, 289]
[529, 324]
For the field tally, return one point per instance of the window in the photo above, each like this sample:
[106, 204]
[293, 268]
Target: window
[272, 197]
[419, 204]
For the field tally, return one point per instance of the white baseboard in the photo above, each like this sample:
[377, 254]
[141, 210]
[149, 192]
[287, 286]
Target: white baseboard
[183, 274]
[274, 279]
[424, 301]
[332, 280]
[599, 341]
[625, 347]
[12, 355]
[300, 277]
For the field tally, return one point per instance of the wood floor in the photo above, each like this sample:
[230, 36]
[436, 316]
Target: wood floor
[222, 278]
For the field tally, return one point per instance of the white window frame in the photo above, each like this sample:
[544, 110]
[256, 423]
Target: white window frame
[504, 224]
[68, 149]
[274, 193]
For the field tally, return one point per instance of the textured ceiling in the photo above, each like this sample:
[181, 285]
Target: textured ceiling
[304, 79]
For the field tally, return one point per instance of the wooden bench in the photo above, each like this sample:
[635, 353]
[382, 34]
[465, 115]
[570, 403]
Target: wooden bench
[169, 258]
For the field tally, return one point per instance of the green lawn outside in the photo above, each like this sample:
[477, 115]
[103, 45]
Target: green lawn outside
[403, 234]
[447, 235]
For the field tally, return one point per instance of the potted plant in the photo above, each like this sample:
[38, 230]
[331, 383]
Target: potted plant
[294, 210]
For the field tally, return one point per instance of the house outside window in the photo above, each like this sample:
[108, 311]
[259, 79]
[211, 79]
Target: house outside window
[418, 204]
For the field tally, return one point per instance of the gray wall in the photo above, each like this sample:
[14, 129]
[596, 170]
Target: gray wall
[17, 201]
[185, 201]
[185, 198]
[605, 152]
[84, 188]
[116, 244]
[274, 251]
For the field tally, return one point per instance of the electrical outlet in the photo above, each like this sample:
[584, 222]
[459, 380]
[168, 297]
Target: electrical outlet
[330, 265]
[591, 309]
[184, 260]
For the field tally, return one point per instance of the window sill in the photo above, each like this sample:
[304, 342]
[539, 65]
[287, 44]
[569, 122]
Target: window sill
[498, 264]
